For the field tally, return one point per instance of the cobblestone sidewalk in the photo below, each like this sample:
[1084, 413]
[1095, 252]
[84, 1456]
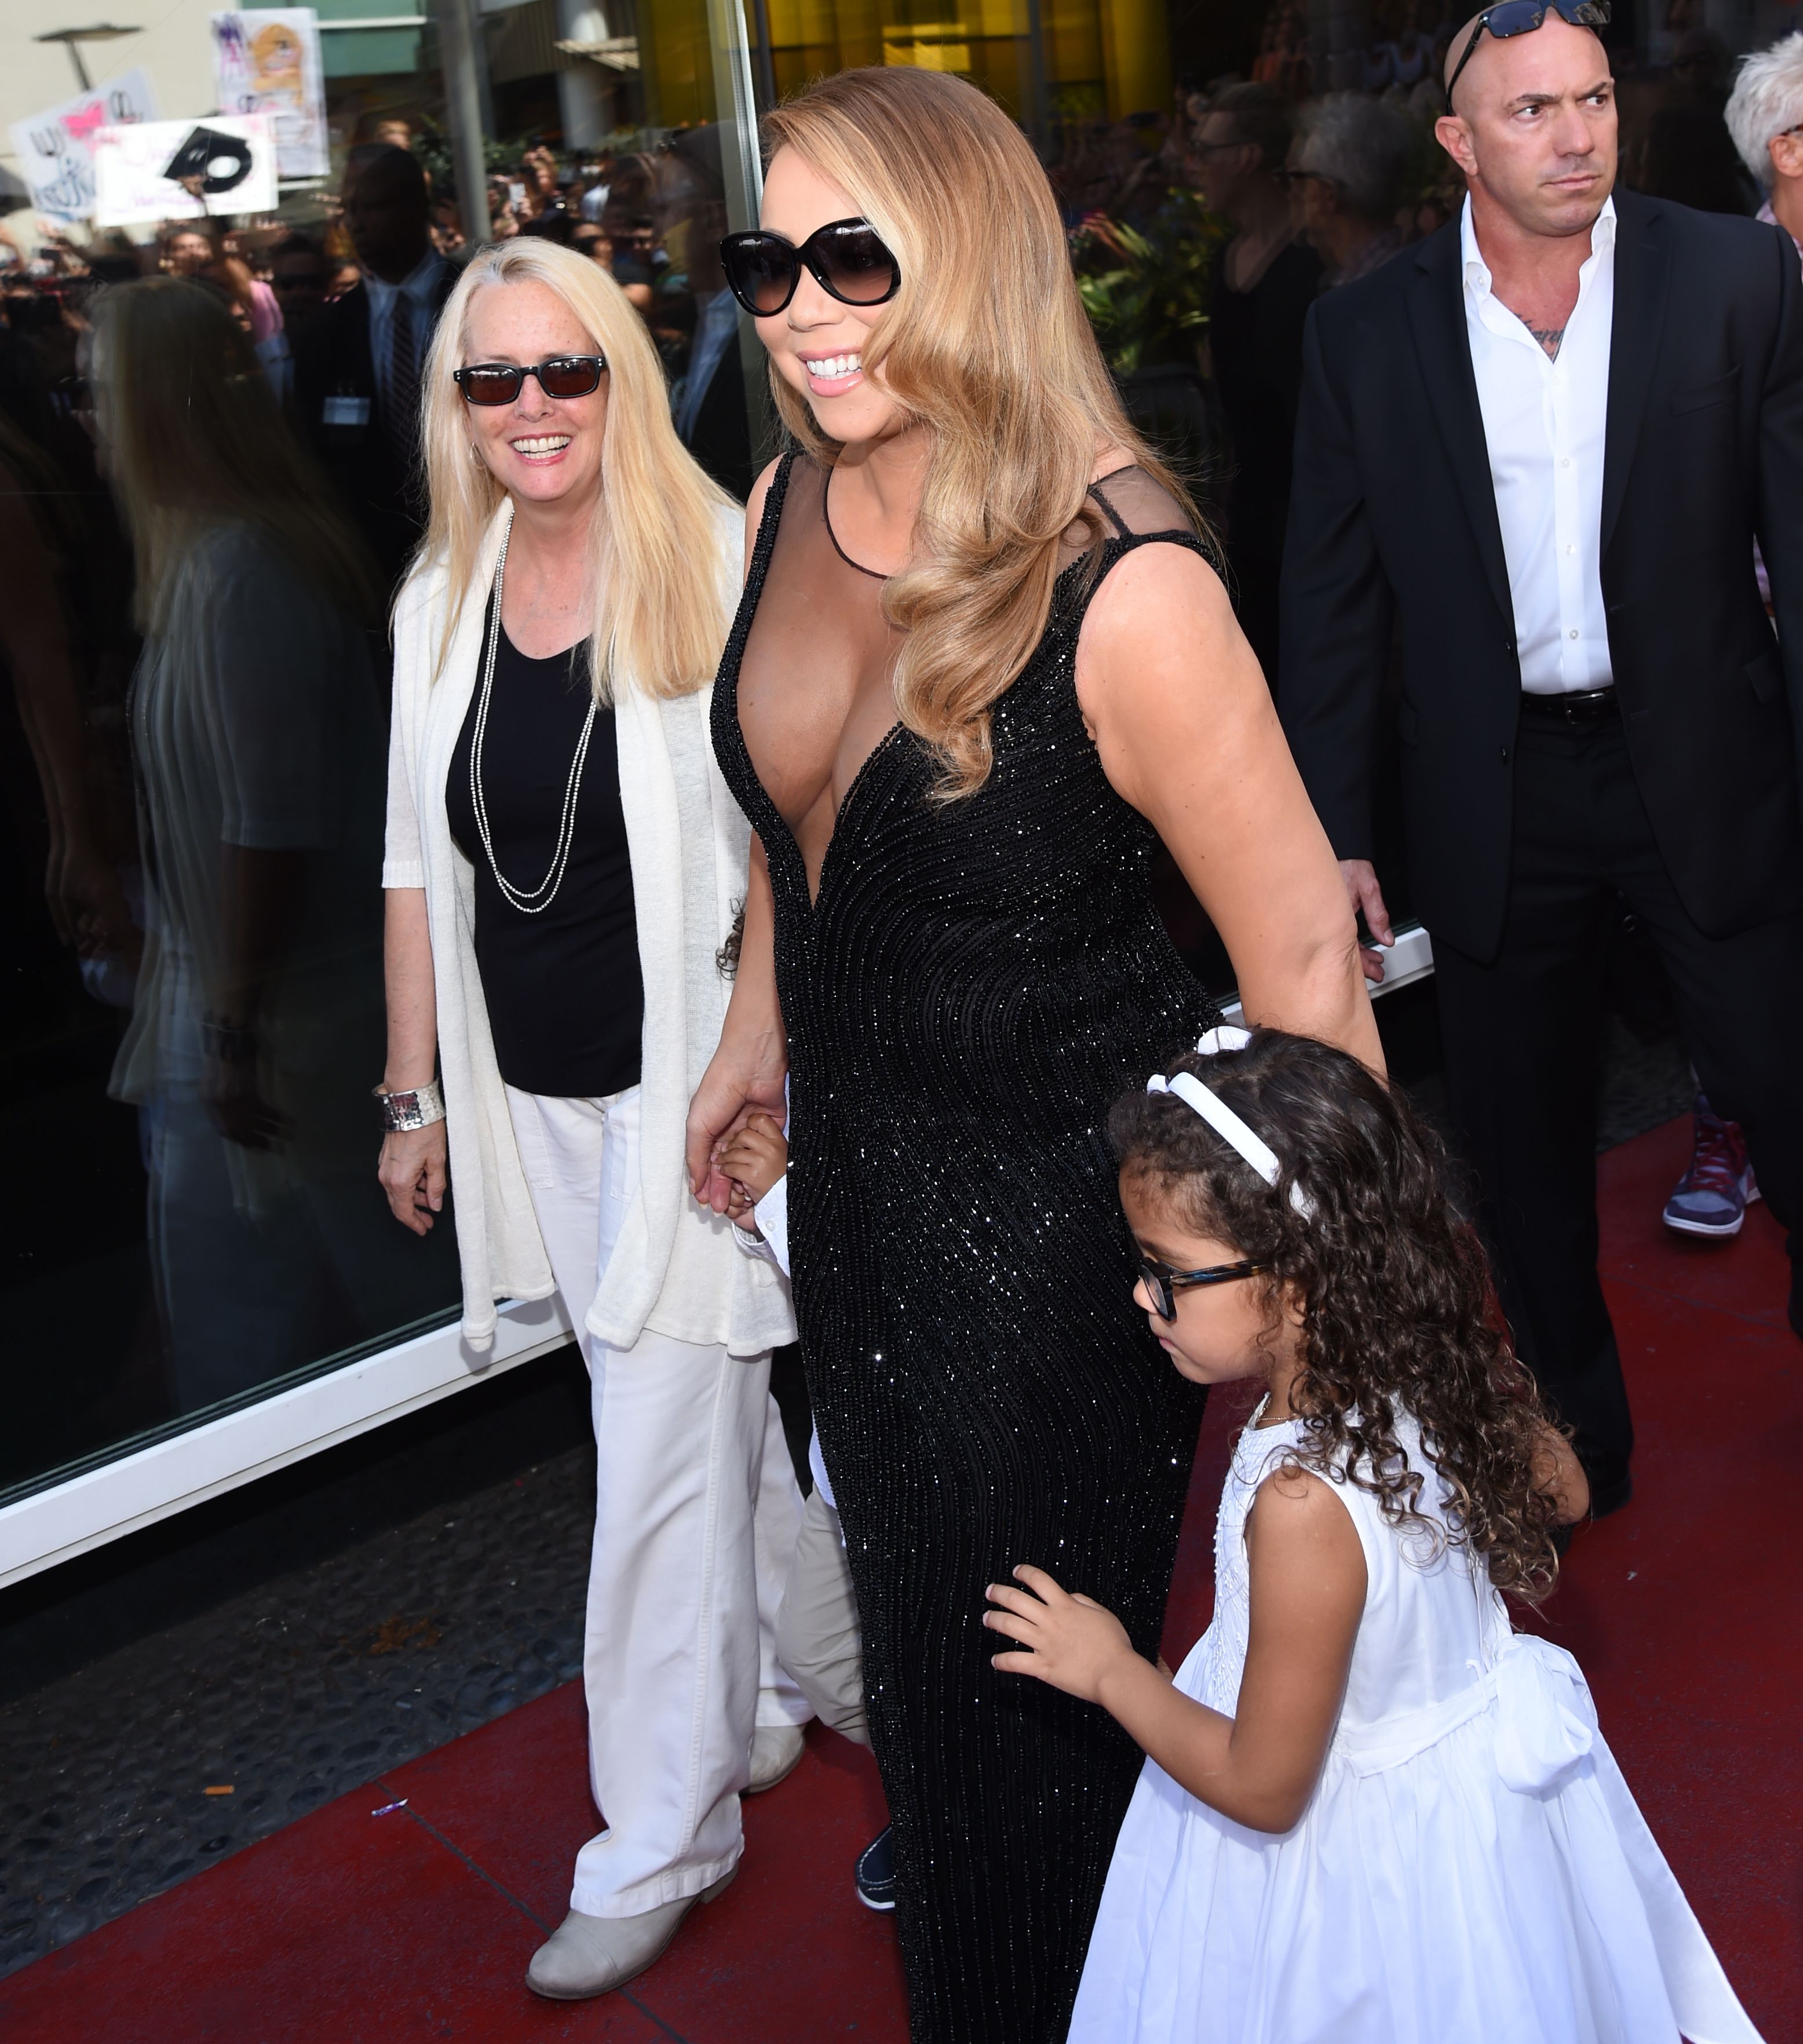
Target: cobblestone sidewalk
[287, 1695]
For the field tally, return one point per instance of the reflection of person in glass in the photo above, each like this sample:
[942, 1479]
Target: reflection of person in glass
[963, 694]
[255, 738]
[562, 868]
[357, 373]
[1264, 281]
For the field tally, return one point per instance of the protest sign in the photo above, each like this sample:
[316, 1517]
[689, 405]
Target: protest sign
[266, 60]
[54, 148]
[184, 170]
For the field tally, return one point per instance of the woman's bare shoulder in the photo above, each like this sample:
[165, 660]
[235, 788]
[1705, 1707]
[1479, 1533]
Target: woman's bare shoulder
[1162, 590]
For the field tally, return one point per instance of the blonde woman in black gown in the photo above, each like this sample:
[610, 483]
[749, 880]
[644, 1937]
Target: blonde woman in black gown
[981, 658]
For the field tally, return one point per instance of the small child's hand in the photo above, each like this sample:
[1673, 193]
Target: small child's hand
[755, 1156]
[1074, 1643]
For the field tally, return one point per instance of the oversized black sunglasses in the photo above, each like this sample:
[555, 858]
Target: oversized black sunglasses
[1521, 18]
[561, 376]
[1163, 1283]
[847, 258]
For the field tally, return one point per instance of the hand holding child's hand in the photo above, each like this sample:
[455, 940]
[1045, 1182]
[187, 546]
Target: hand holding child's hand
[755, 1156]
[1073, 1642]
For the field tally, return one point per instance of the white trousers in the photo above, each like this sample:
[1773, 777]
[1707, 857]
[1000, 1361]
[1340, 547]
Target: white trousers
[818, 1639]
[696, 1510]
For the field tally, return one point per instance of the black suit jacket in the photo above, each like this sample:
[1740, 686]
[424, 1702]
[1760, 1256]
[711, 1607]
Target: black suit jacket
[338, 411]
[1393, 522]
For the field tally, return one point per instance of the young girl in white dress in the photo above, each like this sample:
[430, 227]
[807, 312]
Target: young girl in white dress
[1371, 1812]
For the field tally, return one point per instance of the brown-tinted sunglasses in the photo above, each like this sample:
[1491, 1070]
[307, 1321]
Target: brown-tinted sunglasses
[561, 376]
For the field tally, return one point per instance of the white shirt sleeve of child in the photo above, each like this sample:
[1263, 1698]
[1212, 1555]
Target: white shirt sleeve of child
[771, 1214]
[770, 1239]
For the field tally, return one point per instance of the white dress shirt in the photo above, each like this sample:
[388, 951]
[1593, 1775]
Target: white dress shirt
[1543, 426]
[421, 288]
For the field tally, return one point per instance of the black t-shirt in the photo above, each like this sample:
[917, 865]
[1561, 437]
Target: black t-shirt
[566, 1001]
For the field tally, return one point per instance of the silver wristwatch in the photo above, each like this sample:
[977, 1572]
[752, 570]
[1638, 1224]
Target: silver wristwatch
[418, 1107]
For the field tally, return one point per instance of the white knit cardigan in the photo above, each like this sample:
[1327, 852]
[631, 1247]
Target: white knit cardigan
[675, 1269]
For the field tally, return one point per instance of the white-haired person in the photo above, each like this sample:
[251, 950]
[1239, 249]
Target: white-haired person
[561, 866]
[1764, 117]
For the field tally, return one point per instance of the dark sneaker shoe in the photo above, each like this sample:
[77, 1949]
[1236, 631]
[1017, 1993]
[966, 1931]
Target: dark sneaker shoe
[876, 1872]
[1712, 1196]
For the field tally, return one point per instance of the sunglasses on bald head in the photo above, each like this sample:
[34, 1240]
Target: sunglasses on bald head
[1521, 18]
[846, 258]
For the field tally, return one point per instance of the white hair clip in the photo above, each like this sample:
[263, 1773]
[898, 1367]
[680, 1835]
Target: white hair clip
[1221, 1118]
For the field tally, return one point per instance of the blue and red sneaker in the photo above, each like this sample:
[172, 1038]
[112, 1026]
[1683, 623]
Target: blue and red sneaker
[1712, 1196]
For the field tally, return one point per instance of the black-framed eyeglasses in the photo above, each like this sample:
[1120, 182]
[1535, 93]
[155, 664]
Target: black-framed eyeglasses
[1162, 1284]
[847, 259]
[1521, 18]
[561, 376]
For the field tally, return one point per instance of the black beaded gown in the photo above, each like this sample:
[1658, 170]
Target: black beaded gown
[975, 982]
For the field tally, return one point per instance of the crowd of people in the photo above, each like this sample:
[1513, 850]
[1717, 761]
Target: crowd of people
[765, 950]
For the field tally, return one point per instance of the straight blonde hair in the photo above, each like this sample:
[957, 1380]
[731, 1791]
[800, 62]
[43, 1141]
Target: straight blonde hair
[987, 346]
[663, 598]
[194, 438]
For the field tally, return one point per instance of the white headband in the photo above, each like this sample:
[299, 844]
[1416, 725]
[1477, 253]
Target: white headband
[1221, 1118]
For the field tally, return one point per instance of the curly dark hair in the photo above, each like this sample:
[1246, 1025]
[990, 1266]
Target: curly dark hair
[726, 959]
[1396, 1309]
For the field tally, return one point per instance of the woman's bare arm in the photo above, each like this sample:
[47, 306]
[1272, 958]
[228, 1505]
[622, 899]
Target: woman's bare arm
[746, 1073]
[412, 1167]
[1187, 733]
[1259, 1766]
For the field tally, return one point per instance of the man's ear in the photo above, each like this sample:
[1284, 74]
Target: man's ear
[1455, 137]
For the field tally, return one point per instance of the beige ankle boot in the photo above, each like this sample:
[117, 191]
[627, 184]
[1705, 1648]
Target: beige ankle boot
[776, 1753]
[586, 1955]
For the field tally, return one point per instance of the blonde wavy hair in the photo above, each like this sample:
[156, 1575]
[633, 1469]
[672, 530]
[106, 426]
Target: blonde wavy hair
[986, 345]
[663, 593]
[193, 438]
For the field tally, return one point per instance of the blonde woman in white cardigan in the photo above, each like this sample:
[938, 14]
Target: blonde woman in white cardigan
[562, 865]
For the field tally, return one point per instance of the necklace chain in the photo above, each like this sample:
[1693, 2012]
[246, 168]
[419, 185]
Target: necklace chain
[534, 901]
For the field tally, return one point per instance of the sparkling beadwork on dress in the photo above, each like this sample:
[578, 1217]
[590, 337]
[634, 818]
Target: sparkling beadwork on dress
[533, 901]
[974, 983]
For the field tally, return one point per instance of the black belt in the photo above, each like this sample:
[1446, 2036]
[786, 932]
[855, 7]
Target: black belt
[1587, 706]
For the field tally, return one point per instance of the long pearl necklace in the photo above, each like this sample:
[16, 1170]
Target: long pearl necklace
[536, 900]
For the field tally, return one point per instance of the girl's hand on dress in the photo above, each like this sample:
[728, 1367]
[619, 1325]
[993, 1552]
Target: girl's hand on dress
[1073, 1642]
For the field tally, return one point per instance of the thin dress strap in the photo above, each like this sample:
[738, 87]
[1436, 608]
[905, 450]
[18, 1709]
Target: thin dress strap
[1114, 517]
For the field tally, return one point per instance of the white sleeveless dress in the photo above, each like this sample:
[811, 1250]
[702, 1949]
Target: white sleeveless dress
[1471, 1866]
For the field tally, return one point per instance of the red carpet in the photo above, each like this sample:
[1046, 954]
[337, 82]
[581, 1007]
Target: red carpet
[1686, 1611]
